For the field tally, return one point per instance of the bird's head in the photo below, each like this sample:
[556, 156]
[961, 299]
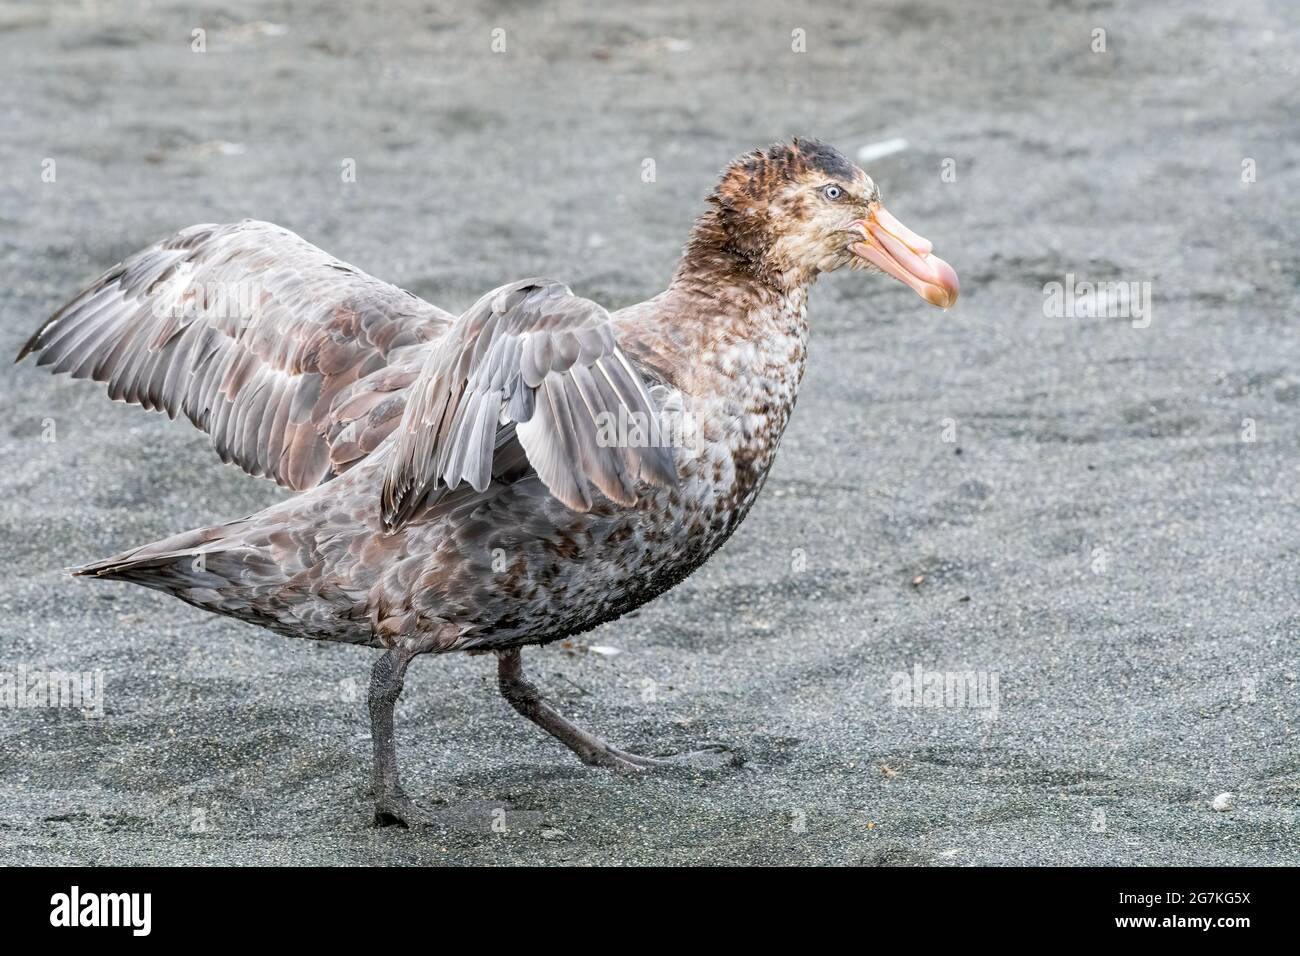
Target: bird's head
[794, 211]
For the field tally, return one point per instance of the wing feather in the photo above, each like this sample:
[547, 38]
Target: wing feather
[253, 334]
[533, 359]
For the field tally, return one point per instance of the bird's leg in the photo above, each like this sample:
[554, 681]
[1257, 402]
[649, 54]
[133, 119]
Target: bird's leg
[392, 805]
[525, 698]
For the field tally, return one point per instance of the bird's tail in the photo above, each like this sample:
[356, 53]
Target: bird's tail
[241, 569]
[187, 564]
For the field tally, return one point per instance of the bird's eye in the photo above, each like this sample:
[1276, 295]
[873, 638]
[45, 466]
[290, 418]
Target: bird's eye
[832, 192]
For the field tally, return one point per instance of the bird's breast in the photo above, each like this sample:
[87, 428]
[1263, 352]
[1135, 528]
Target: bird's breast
[739, 400]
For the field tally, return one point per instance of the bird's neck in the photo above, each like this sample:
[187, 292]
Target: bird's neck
[724, 323]
[735, 346]
[738, 332]
[727, 250]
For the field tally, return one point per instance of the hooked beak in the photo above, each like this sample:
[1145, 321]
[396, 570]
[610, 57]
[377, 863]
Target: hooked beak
[893, 248]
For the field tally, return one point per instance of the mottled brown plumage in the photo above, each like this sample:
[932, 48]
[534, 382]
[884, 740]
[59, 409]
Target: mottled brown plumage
[555, 465]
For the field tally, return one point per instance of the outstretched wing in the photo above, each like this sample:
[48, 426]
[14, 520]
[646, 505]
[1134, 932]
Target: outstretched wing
[292, 361]
[534, 357]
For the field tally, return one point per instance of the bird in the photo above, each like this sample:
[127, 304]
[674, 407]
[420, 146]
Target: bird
[510, 476]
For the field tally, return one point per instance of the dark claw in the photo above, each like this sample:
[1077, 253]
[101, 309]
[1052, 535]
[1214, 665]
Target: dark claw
[399, 810]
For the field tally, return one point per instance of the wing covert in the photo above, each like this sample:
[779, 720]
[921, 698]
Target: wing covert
[536, 357]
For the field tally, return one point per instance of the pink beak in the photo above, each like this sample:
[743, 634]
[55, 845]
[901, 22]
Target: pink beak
[893, 248]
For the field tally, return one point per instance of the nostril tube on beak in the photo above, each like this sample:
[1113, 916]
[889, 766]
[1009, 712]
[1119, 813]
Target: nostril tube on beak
[918, 244]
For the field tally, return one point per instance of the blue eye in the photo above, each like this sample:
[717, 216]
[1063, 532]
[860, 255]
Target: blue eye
[832, 192]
